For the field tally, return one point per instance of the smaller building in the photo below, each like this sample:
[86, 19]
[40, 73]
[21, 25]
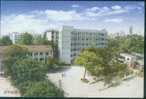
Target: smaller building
[126, 58]
[133, 60]
[38, 52]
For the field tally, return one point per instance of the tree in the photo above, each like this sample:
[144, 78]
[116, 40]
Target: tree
[11, 55]
[54, 64]
[102, 63]
[43, 89]
[86, 59]
[26, 39]
[40, 40]
[129, 43]
[28, 70]
[5, 40]
[108, 67]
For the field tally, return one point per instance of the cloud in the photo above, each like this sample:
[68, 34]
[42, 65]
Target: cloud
[63, 15]
[23, 23]
[93, 9]
[75, 6]
[133, 7]
[105, 11]
[116, 7]
[141, 4]
[114, 20]
[39, 20]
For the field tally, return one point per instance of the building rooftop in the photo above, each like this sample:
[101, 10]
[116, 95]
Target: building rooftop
[126, 54]
[39, 48]
[85, 30]
[141, 62]
[31, 48]
[138, 55]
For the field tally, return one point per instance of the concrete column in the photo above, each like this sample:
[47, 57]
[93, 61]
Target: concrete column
[0, 65]
[38, 56]
[44, 54]
[33, 55]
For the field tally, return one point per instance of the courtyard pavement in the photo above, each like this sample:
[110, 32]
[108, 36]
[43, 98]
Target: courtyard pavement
[6, 88]
[69, 81]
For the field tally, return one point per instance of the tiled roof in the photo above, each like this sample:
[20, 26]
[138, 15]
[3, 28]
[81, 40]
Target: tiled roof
[32, 48]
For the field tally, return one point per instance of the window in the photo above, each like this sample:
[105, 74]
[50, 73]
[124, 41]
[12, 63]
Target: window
[41, 59]
[47, 53]
[41, 53]
[35, 54]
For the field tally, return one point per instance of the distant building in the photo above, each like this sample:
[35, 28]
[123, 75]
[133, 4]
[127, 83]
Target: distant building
[72, 40]
[15, 37]
[52, 35]
[127, 58]
[132, 60]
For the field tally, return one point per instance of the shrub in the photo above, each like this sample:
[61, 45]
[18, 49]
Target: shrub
[43, 89]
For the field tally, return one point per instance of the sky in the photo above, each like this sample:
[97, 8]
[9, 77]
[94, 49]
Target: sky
[39, 16]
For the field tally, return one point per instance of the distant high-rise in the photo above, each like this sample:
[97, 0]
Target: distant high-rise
[52, 35]
[131, 30]
[15, 37]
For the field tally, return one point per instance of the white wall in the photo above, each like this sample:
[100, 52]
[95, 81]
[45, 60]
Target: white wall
[65, 44]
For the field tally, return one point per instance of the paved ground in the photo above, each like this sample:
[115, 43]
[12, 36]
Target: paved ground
[6, 89]
[74, 87]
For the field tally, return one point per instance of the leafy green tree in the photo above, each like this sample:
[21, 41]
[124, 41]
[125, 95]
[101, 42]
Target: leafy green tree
[23, 87]
[86, 59]
[11, 55]
[54, 64]
[102, 63]
[5, 40]
[28, 70]
[43, 89]
[27, 39]
[40, 40]
[136, 44]
[129, 43]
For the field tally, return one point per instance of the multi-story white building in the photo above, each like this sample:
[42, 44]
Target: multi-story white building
[15, 36]
[72, 40]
